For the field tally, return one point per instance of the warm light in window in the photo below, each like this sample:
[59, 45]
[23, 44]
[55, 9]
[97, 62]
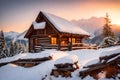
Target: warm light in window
[53, 40]
[73, 40]
[63, 42]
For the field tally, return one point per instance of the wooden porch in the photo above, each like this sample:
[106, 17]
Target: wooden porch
[64, 47]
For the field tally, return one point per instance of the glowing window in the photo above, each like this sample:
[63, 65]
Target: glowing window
[73, 40]
[63, 42]
[53, 40]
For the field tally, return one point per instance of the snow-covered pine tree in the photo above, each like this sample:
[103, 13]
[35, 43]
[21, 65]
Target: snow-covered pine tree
[118, 40]
[3, 48]
[107, 31]
[108, 35]
[12, 51]
[16, 48]
[108, 41]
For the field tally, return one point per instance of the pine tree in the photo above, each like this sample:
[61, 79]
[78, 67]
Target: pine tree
[108, 41]
[108, 35]
[3, 48]
[107, 31]
[12, 52]
[118, 40]
[16, 48]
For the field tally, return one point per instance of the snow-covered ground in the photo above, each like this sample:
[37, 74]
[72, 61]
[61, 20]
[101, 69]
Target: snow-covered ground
[85, 57]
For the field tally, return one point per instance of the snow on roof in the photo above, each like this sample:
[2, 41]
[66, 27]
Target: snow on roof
[67, 59]
[63, 25]
[40, 25]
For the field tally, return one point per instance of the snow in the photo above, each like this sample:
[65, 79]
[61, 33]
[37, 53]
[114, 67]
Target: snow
[92, 62]
[113, 58]
[40, 25]
[19, 73]
[15, 36]
[84, 57]
[88, 78]
[67, 59]
[21, 36]
[9, 59]
[55, 55]
[111, 51]
[11, 34]
[64, 25]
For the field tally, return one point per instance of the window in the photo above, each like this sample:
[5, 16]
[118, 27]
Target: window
[53, 40]
[62, 42]
[73, 40]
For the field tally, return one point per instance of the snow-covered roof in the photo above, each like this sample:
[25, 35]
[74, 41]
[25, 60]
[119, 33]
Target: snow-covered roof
[64, 25]
[40, 25]
[67, 59]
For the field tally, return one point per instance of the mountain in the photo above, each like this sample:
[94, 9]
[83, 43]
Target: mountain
[91, 25]
[21, 36]
[11, 34]
[94, 26]
[16, 37]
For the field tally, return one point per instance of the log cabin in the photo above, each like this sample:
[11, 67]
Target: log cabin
[49, 31]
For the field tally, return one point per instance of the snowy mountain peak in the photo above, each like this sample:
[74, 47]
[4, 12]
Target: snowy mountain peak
[11, 34]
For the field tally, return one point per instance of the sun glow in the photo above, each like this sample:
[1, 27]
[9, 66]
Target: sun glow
[116, 22]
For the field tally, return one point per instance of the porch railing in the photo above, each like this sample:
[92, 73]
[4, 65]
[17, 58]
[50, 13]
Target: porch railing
[66, 46]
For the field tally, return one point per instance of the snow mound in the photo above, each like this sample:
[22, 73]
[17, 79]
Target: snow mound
[84, 57]
[67, 59]
[92, 62]
[112, 50]
[40, 25]
[14, 72]
[37, 55]
[9, 59]
[47, 53]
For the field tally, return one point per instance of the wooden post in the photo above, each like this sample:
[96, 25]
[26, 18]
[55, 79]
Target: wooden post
[29, 45]
[59, 42]
[71, 43]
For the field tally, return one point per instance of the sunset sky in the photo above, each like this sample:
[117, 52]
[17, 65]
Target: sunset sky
[17, 15]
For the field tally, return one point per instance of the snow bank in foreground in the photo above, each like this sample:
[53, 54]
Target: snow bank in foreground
[55, 55]
[85, 57]
[14, 72]
[67, 59]
[112, 50]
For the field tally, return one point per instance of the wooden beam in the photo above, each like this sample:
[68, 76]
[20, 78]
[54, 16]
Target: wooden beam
[59, 42]
[71, 43]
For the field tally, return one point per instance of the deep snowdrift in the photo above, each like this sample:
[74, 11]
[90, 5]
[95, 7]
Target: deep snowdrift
[85, 57]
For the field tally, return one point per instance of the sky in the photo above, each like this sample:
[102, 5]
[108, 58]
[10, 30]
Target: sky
[17, 15]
